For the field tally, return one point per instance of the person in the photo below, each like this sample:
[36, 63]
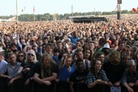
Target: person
[11, 73]
[27, 70]
[96, 78]
[3, 64]
[46, 73]
[65, 71]
[130, 77]
[49, 50]
[78, 78]
[74, 37]
[91, 46]
[86, 61]
[101, 56]
[21, 57]
[125, 59]
[114, 68]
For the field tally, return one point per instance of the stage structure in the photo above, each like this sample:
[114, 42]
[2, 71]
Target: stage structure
[87, 19]
[119, 2]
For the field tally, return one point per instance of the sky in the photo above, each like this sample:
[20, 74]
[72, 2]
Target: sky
[8, 7]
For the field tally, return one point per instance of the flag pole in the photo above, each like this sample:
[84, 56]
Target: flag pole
[17, 10]
[34, 12]
[72, 10]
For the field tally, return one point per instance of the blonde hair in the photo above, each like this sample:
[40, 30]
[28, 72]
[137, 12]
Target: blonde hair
[46, 71]
[32, 52]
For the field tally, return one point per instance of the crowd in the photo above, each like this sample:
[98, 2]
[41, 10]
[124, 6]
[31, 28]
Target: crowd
[62, 56]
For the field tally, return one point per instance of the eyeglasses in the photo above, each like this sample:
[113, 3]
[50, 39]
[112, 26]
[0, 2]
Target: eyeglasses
[29, 54]
[20, 55]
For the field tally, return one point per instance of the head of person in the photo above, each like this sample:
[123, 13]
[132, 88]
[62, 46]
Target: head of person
[131, 66]
[127, 50]
[79, 64]
[21, 56]
[79, 53]
[34, 47]
[125, 58]
[100, 56]
[12, 58]
[75, 34]
[102, 41]
[68, 60]
[106, 48]
[49, 48]
[114, 57]
[56, 52]
[97, 65]
[13, 47]
[106, 35]
[16, 52]
[23, 41]
[32, 41]
[87, 54]
[59, 45]
[91, 45]
[121, 45]
[46, 60]
[31, 56]
[40, 42]
[46, 65]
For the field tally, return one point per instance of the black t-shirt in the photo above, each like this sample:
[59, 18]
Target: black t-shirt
[76, 77]
[114, 72]
[30, 73]
[48, 71]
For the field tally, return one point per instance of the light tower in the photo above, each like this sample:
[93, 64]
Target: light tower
[119, 2]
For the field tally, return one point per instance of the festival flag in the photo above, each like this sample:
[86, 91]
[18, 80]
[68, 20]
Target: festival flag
[134, 10]
[23, 9]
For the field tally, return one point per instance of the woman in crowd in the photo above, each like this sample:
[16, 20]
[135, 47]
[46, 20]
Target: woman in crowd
[21, 57]
[101, 56]
[96, 78]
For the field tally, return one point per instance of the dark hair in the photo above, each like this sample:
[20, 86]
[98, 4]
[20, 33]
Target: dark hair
[13, 44]
[93, 64]
[99, 54]
[24, 56]
[79, 60]
[102, 41]
[56, 50]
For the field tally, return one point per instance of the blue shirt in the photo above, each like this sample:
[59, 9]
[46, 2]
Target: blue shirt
[74, 40]
[64, 74]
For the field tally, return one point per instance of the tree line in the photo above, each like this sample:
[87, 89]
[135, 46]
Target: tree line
[48, 16]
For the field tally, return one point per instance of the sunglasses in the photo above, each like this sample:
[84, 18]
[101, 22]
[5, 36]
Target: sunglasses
[29, 54]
